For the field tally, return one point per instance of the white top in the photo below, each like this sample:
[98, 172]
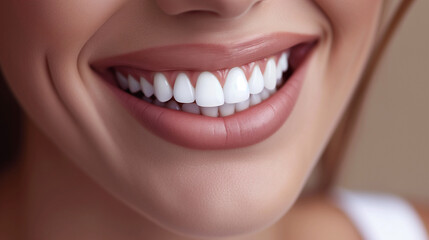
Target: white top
[381, 216]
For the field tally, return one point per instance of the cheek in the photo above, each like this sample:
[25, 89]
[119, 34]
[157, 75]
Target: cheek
[348, 11]
[54, 24]
[343, 53]
[350, 16]
[353, 26]
[58, 29]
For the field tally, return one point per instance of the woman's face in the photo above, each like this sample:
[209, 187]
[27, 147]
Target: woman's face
[67, 62]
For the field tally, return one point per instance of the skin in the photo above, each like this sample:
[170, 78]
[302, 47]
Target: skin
[88, 170]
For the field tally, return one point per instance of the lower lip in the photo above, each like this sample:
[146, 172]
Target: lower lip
[206, 133]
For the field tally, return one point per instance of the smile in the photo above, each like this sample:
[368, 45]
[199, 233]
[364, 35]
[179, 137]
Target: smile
[219, 93]
[212, 96]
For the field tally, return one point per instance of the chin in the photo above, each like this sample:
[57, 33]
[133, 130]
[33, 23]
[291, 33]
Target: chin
[206, 198]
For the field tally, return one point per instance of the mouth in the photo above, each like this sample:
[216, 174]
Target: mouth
[205, 96]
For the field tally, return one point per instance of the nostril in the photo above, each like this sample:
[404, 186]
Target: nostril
[200, 12]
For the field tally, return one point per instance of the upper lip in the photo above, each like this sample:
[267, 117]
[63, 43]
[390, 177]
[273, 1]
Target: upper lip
[204, 56]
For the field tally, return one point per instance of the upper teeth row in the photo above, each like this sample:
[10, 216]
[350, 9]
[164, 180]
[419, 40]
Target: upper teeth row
[208, 91]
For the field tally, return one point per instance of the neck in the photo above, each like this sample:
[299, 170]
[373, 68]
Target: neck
[59, 201]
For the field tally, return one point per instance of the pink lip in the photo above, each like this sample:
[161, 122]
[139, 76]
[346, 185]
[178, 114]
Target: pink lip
[205, 57]
[200, 132]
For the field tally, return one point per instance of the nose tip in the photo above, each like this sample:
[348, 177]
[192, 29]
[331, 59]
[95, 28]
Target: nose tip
[222, 8]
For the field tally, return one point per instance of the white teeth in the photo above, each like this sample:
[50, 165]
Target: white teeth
[210, 111]
[122, 80]
[241, 106]
[184, 92]
[208, 97]
[265, 94]
[279, 72]
[146, 87]
[208, 92]
[283, 61]
[282, 67]
[133, 84]
[236, 88]
[163, 91]
[173, 105]
[191, 108]
[255, 99]
[270, 73]
[256, 81]
[227, 109]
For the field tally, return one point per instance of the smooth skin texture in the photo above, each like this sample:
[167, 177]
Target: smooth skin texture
[88, 170]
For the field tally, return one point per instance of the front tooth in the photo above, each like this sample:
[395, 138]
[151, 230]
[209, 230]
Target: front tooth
[256, 81]
[227, 109]
[184, 92]
[208, 92]
[270, 73]
[133, 84]
[255, 99]
[283, 61]
[265, 94]
[173, 105]
[146, 87]
[210, 111]
[122, 80]
[241, 106]
[191, 108]
[163, 91]
[236, 88]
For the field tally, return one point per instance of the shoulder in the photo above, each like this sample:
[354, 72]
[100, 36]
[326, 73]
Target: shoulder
[322, 216]
[379, 214]
[319, 217]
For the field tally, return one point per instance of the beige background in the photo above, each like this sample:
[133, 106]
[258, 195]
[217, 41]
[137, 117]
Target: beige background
[390, 151]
